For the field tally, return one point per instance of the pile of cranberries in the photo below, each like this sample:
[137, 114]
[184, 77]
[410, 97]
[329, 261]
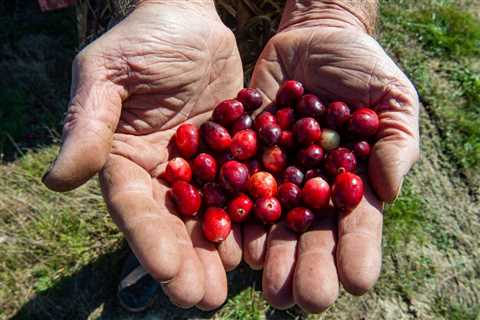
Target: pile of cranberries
[287, 161]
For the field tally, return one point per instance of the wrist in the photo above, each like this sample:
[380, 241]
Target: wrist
[333, 13]
[201, 6]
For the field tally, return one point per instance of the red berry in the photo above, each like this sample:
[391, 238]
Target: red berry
[224, 157]
[216, 224]
[234, 176]
[340, 160]
[362, 149]
[316, 193]
[274, 159]
[213, 195]
[294, 175]
[263, 119]
[268, 209]
[187, 140]
[204, 168]
[307, 131]
[310, 157]
[289, 195]
[250, 98]
[330, 139]
[285, 118]
[337, 115]
[270, 134]
[177, 169]
[347, 191]
[287, 140]
[311, 106]
[240, 207]
[299, 219]
[244, 122]
[216, 136]
[254, 166]
[227, 112]
[364, 123]
[244, 144]
[262, 184]
[313, 173]
[186, 197]
[289, 93]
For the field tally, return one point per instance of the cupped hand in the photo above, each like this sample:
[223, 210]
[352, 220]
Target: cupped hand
[168, 62]
[336, 61]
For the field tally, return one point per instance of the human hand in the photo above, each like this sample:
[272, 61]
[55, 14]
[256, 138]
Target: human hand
[166, 63]
[327, 48]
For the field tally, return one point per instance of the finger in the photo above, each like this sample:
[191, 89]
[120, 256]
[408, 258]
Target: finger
[92, 117]
[230, 250]
[279, 267]
[359, 248]
[148, 228]
[254, 244]
[215, 275]
[315, 283]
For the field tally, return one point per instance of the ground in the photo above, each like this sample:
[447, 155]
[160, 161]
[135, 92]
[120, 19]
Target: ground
[60, 253]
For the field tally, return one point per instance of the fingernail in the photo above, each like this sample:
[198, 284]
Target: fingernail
[399, 190]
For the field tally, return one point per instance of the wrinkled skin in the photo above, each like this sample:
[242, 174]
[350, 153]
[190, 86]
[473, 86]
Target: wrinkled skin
[336, 61]
[166, 63]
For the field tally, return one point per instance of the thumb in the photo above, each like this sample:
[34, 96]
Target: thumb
[88, 129]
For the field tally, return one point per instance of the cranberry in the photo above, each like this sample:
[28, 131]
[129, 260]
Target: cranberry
[330, 139]
[254, 166]
[364, 123]
[310, 157]
[274, 159]
[307, 131]
[268, 209]
[313, 173]
[289, 195]
[262, 184]
[294, 175]
[244, 144]
[316, 193]
[347, 191]
[337, 115]
[287, 140]
[299, 219]
[340, 160]
[362, 149]
[244, 122]
[263, 119]
[224, 157]
[227, 112]
[240, 207]
[285, 118]
[213, 195]
[177, 169]
[216, 136]
[204, 168]
[216, 224]
[250, 98]
[186, 197]
[289, 93]
[187, 140]
[310, 106]
[270, 134]
[234, 176]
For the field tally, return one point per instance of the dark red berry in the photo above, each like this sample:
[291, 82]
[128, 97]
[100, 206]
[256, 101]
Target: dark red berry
[227, 112]
[289, 93]
[330, 139]
[268, 209]
[307, 131]
[204, 168]
[313, 173]
[234, 176]
[244, 144]
[250, 98]
[362, 149]
[287, 140]
[213, 195]
[187, 140]
[299, 219]
[310, 157]
[263, 119]
[289, 195]
[285, 118]
[216, 224]
[244, 122]
[337, 115]
[347, 191]
[316, 193]
[216, 136]
[340, 160]
[177, 169]
[294, 175]
[240, 207]
[364, 123]
[311, 106]
[262, 184]
[270, 134]
[224, 157]
[274, 159]
[186, 197]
